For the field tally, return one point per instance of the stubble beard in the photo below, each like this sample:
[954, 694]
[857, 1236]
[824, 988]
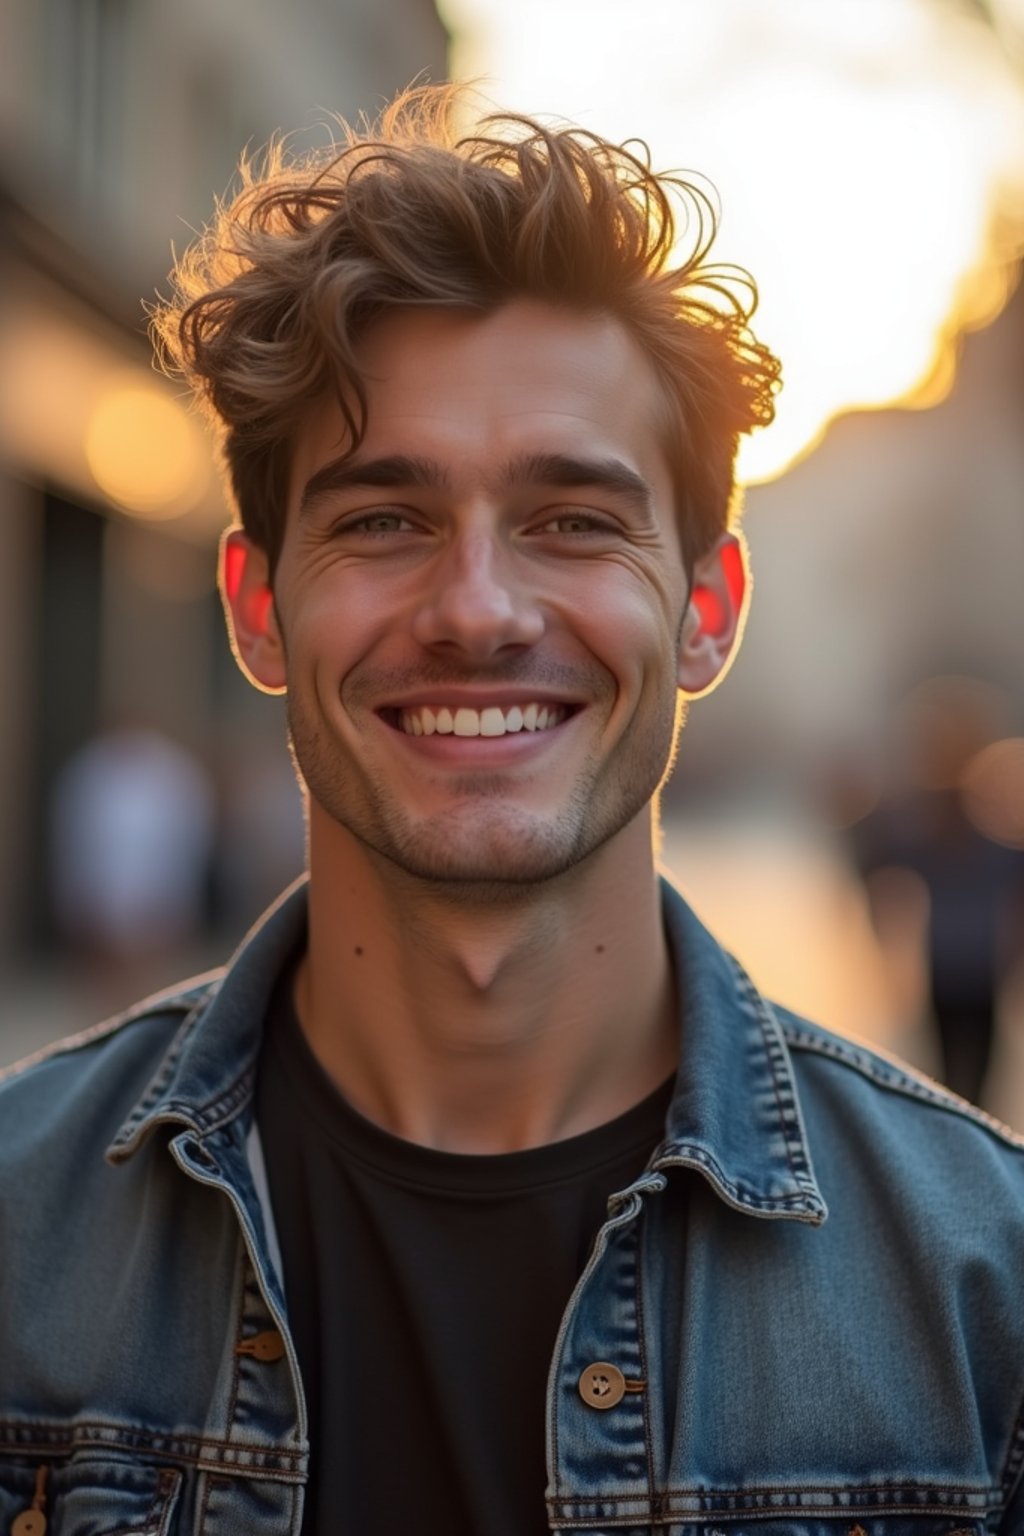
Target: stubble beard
[485, 849]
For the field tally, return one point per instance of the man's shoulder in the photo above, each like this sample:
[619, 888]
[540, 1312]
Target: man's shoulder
[187, 1054]
[865, 1107]
[863, 1062]
[92, 1079]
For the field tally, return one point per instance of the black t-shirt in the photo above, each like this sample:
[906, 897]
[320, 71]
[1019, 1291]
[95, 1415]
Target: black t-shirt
[425, 1293]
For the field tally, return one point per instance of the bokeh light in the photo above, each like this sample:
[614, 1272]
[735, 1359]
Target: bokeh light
[993, 791]
[144, 451]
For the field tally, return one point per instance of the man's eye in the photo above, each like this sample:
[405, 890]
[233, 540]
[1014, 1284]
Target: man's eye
[377, 523]
[576, 522]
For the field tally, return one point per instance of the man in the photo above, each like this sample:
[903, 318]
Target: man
[482, 1141]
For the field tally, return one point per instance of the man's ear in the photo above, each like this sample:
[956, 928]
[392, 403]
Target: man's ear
[244, 576]
[714, 621]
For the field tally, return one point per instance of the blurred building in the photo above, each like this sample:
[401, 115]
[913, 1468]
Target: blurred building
[890, 554]
[119, 120]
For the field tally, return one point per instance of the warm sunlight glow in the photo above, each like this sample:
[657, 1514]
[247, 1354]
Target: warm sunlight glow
[145, 452]
[869, 156]
[80, 413]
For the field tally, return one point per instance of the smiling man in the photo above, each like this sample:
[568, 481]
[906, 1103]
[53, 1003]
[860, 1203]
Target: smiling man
[483, 1194]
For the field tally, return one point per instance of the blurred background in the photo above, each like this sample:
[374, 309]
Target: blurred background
[848, 810]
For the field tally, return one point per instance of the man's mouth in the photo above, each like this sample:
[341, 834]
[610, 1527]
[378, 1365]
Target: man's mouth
[494, 720]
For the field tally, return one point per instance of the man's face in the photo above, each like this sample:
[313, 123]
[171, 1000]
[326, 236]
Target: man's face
[480, 611]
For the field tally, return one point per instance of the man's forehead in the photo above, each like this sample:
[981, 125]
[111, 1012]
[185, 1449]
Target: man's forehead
[526, 381]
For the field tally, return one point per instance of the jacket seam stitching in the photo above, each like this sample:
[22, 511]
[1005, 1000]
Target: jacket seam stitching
[236, 1359]
[290, 1470]
[787, 1107]
[890, 1076]
[162, 1076]
[207, 1491]
[987, 1492]
[214, 1116]
[645, 1375]
[687, 1154]
[1011, 1478]
[81, 1040]
[674, 1517]
[51, 1432]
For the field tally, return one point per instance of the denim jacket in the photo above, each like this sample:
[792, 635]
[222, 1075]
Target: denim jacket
[760, 1342]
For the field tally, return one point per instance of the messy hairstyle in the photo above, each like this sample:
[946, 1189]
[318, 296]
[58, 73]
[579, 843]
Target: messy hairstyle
[269, 304]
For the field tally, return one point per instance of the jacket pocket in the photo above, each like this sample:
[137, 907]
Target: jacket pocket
[88, 1497]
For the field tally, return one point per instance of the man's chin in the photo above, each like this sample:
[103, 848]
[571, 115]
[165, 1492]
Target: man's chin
[462, 869]
[473, 857]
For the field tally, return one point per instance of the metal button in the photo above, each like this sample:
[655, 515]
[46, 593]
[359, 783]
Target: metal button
[31, 1522]
[602, 1385]
[268, 1346]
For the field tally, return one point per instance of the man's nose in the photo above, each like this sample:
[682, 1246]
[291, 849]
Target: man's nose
[475, 602]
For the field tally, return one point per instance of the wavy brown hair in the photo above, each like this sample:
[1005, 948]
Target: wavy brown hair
[270, 302]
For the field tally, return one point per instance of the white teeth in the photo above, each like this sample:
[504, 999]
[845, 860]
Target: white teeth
[492, 721]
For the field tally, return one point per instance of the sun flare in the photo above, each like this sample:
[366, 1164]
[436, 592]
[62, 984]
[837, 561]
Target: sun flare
[869, 157]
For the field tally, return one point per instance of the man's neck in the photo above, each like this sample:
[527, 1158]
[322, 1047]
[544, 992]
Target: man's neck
[488, 1026]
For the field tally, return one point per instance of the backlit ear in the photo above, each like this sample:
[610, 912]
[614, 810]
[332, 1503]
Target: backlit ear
[714, 620]
[249, 606]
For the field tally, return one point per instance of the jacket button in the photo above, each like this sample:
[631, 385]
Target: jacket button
[31, 1522]
[268, 1346]
[602, 1385]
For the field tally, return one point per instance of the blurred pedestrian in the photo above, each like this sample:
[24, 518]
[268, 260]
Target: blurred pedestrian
[972, 884]
[131, 839]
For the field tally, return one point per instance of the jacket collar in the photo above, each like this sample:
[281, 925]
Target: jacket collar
[207, 1076]
[735, 1114]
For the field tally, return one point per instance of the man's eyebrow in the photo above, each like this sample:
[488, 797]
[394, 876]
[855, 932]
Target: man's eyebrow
[399, 469]
[392, 470]
[568, 471]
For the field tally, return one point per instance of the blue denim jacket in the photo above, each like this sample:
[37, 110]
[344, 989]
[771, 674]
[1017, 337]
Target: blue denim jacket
[759, 1342]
